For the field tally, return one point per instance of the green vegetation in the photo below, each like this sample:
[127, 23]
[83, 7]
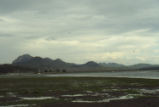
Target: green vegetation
[12, 89]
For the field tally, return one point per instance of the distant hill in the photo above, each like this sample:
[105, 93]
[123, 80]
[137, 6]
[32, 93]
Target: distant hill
[116, 65]
[38, 62]
[90, 64]
[22, 59]
[29, 61]
[141, 65]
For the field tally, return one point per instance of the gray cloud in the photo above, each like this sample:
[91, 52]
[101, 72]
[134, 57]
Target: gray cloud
[8, 6]
[87, 29]
[5, 35]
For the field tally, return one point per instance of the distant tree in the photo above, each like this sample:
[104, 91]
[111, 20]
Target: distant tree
[64, 70]
[57, 70]
[45, 70]
[50, 70]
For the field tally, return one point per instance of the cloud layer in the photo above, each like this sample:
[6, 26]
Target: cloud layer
[122, 31]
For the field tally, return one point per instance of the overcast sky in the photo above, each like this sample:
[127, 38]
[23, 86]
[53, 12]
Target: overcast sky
[122, 31]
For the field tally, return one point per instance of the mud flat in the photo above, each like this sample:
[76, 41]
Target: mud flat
[78, 92]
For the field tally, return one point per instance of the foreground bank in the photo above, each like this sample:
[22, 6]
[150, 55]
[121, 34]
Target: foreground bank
[78, 91]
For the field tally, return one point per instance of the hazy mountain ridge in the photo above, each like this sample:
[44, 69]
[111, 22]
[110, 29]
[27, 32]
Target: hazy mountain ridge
[29, 63]
[21, 59]
[38, 62]
[112, 65]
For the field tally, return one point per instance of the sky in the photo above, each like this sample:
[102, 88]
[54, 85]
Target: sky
[121, 31]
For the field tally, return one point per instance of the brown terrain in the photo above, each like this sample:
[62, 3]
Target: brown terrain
[143, 102]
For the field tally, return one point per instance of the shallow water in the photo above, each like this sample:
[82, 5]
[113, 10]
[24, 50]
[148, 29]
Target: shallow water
[36, 98]
[129, 74]
[129, 96]
[18, 105]
[75, 95]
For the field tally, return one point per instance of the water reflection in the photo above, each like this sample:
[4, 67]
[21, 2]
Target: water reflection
[128, 74]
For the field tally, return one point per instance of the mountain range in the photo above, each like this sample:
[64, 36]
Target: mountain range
[26, 61]
[39, 62]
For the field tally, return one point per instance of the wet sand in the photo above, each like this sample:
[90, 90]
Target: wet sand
[142, 102]
[78, 92]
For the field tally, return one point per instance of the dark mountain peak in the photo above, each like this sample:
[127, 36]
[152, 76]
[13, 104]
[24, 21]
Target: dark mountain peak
[48, 59]
[141, 65]
[112, 64]
[37, 58]
[27, 55]
[58, 60]
[22, 58]
[39, 62]
[92, 64]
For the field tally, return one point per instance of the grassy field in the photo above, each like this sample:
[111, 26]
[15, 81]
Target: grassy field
[40, 91]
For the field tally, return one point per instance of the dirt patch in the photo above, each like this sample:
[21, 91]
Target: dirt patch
[142, 102]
